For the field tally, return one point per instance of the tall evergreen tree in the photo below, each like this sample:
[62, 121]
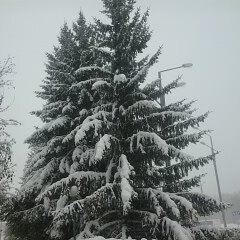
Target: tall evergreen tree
[53, 152]
[100, 167]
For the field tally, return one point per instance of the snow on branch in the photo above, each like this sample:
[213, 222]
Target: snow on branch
[49, 127]
[139, 76]
[141, 108]
[175, 115]
[37, 134]
[48, 169]
[105, 143]
[182, 168]
[58, 123]
[32, 214]
[49, 107]
[120, 78]
[89, 227]
[38, 157]
[101, 115]
[90, 69]
[70, 137]
[155, 120]
[178, 154]
[161, 202]
[184, 125]
[61, 202]
[141, 139]
[127, 192]
[170, 205]
[183, 202]
[73, 179]
[143, 72]
[152, 198]
[174, 230]
[93, 227]
[154, 85]
[132, 98]
[95, 122]
[187, 184]
[68, 109]
[103, 197]
[56, 74]
[180, 106]
[32, 182]
[99, 85]
[64, 166]
[150, 220]
[38, 177]
[54, 143]
[103, 50]
[156, 93]
[205, 205]
[125, 169]
[86, 84]
[183, 140]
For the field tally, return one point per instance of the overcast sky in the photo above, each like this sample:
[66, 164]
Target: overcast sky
[205, 33]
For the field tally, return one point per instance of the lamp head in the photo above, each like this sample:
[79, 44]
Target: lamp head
[187, 65]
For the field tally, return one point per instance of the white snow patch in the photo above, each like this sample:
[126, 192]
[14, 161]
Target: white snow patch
[102, 145]
[172, 227]
[143, 138]
[183, 202]
[91, 68]
[77, 152]
[75, 178]
[100, 84]
[46, 203]
[62, 201]
[73, 191]
[120, 78]
[125, 170]
[82, 132]
[59, 122]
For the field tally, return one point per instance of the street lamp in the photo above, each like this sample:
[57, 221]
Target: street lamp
[216, 174]
[162, 97]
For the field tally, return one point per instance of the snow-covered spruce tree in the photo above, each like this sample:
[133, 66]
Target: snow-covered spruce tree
[99, 163]
[118, 190]
[53, 153]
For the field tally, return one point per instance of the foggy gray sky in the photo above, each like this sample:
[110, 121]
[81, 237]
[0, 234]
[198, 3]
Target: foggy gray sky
[205, 33]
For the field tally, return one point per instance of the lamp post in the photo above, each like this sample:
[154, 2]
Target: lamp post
[162, 97]
[201, 188]
[216, 175]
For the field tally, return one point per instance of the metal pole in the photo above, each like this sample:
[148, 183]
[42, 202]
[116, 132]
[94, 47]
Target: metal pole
[202, 193]
[162, 97]
[201, 187]
[218, 183]
[169, 69]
